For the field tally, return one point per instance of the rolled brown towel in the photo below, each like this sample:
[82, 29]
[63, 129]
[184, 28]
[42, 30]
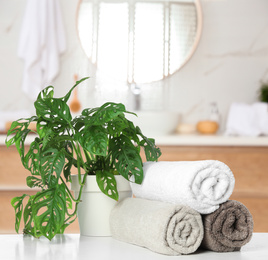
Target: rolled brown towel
[228, 228]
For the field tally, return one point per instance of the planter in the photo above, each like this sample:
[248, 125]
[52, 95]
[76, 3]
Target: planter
[95, 207]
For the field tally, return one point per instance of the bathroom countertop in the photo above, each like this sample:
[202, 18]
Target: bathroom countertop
[193, 140]
[74, 246]
[210, 140]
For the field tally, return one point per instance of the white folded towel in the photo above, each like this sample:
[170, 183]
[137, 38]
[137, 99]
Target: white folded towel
[247, 120]
[202, 185]
[42, 40]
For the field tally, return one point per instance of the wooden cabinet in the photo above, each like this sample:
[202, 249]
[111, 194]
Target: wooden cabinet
[249, 165]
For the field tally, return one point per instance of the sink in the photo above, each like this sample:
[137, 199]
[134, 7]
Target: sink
[155, 123]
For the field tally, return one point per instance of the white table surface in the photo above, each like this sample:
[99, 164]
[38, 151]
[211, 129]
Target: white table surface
[193, 140]
[74, 246]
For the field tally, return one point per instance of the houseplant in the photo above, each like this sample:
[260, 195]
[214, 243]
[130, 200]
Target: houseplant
[263, 92]
[100, 141]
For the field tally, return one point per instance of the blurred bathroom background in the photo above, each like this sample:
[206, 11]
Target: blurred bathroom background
[226, 65]
[182, 65]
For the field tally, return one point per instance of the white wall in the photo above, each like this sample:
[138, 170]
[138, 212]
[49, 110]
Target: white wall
[230, 61]
[228, 65]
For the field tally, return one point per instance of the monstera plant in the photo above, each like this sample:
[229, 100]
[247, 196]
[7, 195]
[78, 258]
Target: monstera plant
[101, 141]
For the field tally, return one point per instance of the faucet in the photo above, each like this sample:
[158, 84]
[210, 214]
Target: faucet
[136, 90]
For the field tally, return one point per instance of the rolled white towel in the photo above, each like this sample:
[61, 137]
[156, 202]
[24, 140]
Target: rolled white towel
[202, 185]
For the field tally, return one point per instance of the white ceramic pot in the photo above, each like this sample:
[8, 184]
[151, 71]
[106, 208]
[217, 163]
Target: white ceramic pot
[95, 207]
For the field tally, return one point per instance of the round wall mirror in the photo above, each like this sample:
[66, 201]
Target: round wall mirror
[139, 41]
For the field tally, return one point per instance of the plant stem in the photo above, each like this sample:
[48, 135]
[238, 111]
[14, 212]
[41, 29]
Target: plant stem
[77, 201]
[78, 155]
[68, 190]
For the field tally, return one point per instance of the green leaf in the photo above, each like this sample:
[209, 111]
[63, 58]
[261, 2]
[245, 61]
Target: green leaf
[45, 130]
[33, 181]
[52, 161]
[47, 92]
[107, 184]
[94, 139]
[53, 110]
[126, 158]
[15, 131]
[19, 131]
[33, 158]
[49, 209]
[67, 96]
[28, 217]
[117, 125]
[105, 113]
[130, 131]
[20, 142]
[16, 203]
[152, 152]
[78, 123]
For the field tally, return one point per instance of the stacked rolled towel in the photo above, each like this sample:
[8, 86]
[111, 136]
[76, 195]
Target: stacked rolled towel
[166, 215]
[201, 185]
[228, 228]
[159, 226]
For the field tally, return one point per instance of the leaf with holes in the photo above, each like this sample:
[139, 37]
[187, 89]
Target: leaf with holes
[49, 209]
[117, 125]
[45, 131]
[33, 181]
[53, 110]
[32, 159]
[152, 152]
[107, 184]
[105, 113]
[20, 143]
[19, 130]
[130, 131]
[78, 123]
[126, 158]
[18, 206]
[28, 217]
[94, 139]
[52, 161]
[47, 92]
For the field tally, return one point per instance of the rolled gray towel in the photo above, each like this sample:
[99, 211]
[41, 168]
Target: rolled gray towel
[228, 228]
[159, 226]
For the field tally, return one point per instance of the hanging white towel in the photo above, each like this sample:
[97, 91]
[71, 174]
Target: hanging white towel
[42, 40]
[247, 120]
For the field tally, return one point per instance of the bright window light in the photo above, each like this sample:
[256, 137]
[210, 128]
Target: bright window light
[137, 41]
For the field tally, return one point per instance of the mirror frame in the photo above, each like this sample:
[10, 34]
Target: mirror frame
[199, 14]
